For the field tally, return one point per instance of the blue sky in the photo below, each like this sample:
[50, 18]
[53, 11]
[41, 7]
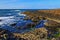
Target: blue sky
[29, 4]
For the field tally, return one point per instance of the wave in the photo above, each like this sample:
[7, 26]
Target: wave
[7, 17]
[7, 20]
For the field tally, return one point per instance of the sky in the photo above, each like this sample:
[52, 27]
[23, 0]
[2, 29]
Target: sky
[29, 4]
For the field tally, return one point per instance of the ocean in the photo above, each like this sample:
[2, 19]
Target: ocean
[10, 17]
[9, 12]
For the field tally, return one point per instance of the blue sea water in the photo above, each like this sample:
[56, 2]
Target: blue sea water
[9, 12]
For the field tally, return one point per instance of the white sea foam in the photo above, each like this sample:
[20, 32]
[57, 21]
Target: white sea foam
[1, 18]
[21, 14]
[6, 20]
[17, 10]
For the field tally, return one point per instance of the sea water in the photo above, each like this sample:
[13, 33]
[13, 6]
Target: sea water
[9, 12]
[10, 16]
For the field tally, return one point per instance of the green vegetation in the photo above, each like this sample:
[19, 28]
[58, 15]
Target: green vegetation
[57, 35]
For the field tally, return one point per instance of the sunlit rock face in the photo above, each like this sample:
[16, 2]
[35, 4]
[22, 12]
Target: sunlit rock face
[54, 14]
[37, 34]
[52, 23]
[52, 11]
